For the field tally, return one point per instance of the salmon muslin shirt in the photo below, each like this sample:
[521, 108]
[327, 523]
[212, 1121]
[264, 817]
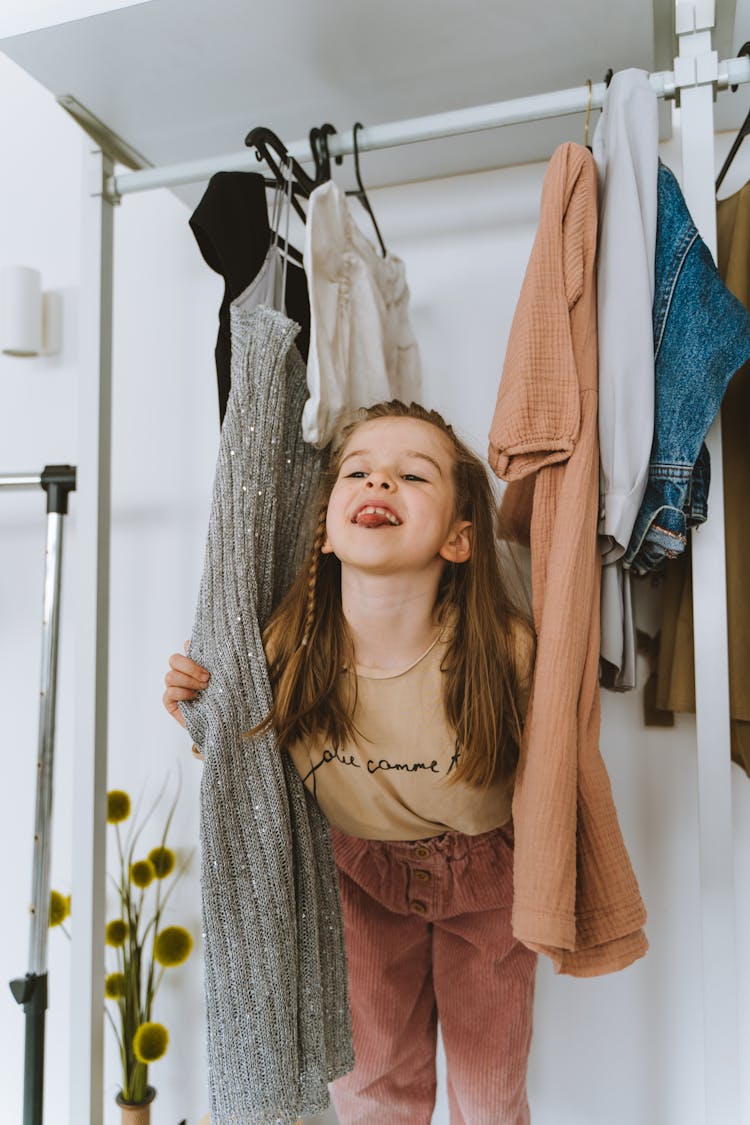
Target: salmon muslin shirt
[576, 898]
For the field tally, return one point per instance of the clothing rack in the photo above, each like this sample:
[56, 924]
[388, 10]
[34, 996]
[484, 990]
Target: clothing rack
[697, 74]
[537, 107]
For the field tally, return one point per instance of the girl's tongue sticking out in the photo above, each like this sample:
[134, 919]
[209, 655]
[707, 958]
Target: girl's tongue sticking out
[376, 517]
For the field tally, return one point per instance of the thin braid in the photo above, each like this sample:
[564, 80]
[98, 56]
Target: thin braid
[312, 579]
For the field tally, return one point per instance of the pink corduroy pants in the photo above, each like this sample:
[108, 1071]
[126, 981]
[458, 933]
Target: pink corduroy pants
[428, 936]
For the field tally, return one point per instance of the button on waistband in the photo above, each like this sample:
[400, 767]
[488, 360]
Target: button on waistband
[422, 851]
[418, 907]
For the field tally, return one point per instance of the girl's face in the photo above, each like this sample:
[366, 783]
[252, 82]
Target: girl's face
[392, 506]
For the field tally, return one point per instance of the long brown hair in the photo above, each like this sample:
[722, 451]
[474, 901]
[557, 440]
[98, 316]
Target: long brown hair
[308, 644]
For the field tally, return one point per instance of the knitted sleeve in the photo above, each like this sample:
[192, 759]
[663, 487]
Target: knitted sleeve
[275, 969]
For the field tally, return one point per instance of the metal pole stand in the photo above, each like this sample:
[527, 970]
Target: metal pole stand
[31, 991]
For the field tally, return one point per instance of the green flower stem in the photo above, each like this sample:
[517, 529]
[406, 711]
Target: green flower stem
[140, 975]
[108, 1014]
[140, 1082]
[152, 989]
[121, 886]
[177, 876]
[120, 1041]
[158, 979]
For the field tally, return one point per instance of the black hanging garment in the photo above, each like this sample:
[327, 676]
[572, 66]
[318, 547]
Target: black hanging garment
[231, 228]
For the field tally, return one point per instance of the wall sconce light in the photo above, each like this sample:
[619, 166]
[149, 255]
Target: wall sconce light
[30, 321]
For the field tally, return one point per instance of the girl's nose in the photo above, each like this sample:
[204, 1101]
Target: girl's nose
[379, 480]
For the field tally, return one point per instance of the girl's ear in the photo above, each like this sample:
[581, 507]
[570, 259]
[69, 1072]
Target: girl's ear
[326, 548]
[457, 547]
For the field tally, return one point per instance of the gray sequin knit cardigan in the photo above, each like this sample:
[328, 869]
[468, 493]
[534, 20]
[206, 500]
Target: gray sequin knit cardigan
[278, 1025]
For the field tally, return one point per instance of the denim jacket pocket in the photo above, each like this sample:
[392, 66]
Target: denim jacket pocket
[676, 500]
[660, 531]
[701, 337]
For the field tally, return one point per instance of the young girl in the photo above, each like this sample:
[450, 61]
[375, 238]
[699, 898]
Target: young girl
[400, 671]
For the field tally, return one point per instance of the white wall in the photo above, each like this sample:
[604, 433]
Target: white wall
[165, 435]
[38, 226]
[626, 1049]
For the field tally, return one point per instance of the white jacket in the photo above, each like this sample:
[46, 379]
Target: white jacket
[625, 148]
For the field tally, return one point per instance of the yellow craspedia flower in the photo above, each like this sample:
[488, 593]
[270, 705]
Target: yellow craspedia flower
[59, 908]
[118, 806]
[142, 872]
[116, 932]
[163, 861]
[172, 946]
[114, 986]
[150, 1042]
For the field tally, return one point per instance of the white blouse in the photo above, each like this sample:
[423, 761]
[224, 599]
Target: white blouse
[362, 348]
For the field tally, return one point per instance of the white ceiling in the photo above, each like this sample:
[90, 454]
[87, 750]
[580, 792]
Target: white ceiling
[181, 79]
[19, 16]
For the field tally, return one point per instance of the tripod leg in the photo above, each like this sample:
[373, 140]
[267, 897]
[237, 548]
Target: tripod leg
[31, 991]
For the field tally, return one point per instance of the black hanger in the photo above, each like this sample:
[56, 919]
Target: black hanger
[265, 142]
[360, 193]
[744, 129]
[319, 148]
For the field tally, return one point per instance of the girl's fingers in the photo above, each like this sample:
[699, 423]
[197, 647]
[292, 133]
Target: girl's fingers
[181, 680]
[171, 706]
[184, 666]
[176, 694]
[182, 663]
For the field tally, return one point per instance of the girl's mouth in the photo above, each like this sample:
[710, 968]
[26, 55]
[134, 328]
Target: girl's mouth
[375, 516]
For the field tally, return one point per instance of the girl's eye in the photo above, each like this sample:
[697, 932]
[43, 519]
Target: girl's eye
[358, 473]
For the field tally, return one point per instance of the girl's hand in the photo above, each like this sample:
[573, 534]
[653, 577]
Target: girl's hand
[184, 680]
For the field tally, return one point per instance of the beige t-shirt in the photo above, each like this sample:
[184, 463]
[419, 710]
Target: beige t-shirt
[390, 784]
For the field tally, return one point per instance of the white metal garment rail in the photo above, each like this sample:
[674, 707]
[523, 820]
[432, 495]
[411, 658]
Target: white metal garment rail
[697, 73]
[472, 120]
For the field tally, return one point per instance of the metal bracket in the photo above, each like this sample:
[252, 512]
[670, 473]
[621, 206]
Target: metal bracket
[103, 185]
[699, 64]
[696, 63]
[109, 192]
[694, 15]
[107, 141]
[696, 70]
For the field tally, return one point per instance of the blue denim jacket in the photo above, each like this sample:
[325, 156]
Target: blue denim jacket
[701, 337]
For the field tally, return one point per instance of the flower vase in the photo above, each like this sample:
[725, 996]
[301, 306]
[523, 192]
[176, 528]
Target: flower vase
[139, 1114]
